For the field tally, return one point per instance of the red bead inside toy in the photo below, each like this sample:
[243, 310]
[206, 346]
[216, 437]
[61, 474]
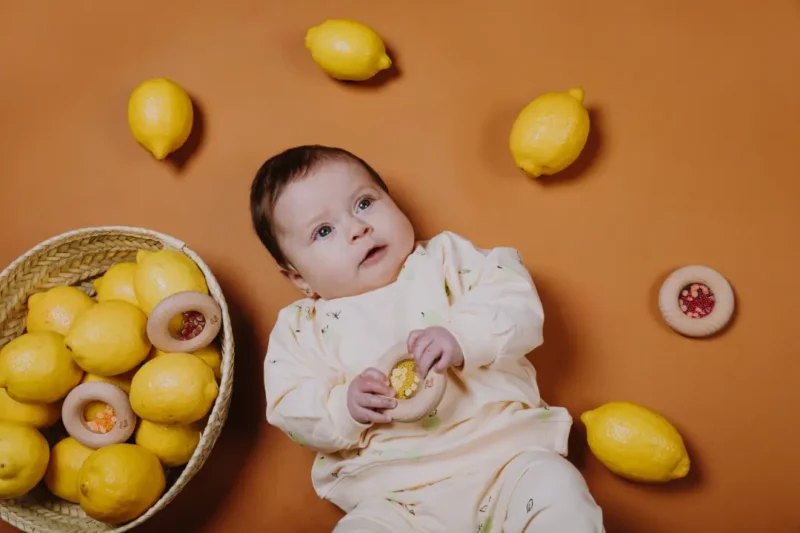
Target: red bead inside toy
[696, 300]
[193, 324]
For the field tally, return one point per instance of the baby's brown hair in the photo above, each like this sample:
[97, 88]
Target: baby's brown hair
[280, 170]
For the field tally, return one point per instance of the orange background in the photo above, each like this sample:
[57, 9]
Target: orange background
[694, 157]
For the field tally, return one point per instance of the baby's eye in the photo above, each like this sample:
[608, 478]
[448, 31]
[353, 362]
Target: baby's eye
[323, 232]
[365, 203]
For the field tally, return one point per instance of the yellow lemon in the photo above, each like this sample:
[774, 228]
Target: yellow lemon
[211, 355]
[117, 284]
[174, 388]
[160, 116]
[95, 410]
[38, 415]
[347, 50]
[172, 444]
[164, 273]
[550, 133]
[66, 459]
[56, 309]
[24, 455]
[635, 442]
[110, 338]
[118, 483]
[123, 381]
[38, 368]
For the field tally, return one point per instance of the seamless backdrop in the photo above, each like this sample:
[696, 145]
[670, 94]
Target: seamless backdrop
[694, 157]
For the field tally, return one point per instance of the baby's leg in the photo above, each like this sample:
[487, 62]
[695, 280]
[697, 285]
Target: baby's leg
[551, 496]
[376, 516]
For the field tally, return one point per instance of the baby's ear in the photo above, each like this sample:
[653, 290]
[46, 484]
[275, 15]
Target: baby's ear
[297, 280]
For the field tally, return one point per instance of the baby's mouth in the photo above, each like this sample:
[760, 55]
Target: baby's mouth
[373, 254]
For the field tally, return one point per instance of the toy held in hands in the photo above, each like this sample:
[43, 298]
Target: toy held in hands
[416, 396]
[347, 50]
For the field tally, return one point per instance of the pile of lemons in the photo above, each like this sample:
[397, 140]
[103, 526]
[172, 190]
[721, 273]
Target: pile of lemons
[70, 339]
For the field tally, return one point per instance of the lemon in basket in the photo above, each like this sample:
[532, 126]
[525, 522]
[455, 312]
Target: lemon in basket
[66, 459]
[164, 273]
[110, 338]
[118, 483]
[123, 381]
[172, 444]
[38, 368]
[24, 455]
[550, 133]
[38, 415]
[117, 284]
[160, 116]
[635, 442]
[347, 50]
[56, 309]
[174, 388]
[210, 354]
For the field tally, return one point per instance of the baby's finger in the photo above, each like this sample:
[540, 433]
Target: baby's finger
[373, 401]
[371, 386]
[372, 416]
[377, 375]
[444, 362]
[421, 345]
[412, 339]
[427, 359]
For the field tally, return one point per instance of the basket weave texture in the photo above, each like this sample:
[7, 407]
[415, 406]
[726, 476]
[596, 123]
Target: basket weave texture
[77, 258]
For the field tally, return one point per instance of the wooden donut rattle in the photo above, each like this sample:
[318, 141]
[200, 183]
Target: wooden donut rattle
[158, 323]
[118, 427]
[416, 397]
[696, 301]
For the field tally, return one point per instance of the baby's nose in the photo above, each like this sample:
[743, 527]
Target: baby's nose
[361, 230]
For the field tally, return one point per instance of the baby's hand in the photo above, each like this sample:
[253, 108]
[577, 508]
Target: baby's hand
[365, 397]
[434, 346]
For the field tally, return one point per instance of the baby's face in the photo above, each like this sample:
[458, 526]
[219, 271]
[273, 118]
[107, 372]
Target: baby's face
[342, 234]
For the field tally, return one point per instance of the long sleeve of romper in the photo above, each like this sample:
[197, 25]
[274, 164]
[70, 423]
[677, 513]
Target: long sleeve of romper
[306, 398]
[496, 312]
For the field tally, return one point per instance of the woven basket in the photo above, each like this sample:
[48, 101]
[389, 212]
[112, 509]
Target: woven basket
[76, 258]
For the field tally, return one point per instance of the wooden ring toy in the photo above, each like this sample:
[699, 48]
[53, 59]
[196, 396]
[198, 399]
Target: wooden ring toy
[158, 323]
[423, 395]
[116, 428]
[696, 301]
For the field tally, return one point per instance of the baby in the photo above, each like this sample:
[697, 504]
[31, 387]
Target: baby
[490, 457]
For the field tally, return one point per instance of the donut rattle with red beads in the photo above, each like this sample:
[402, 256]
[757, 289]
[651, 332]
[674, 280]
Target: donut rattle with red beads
[204, 324]
[696, 301]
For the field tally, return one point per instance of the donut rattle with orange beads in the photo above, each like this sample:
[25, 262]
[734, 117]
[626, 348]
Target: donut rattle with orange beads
[113, 426]
[416, 396]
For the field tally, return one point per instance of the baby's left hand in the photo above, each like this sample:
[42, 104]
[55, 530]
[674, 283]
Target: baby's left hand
[434, 347]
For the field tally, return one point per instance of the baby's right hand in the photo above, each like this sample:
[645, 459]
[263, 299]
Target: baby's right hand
[365, 397]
